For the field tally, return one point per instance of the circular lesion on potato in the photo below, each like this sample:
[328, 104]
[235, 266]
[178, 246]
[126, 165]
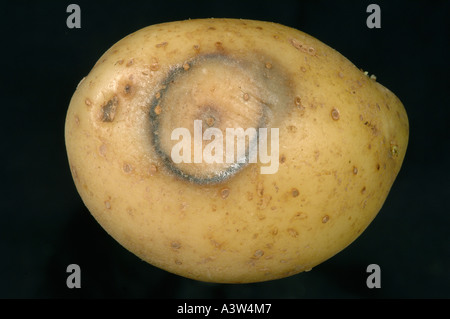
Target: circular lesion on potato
[222, 91]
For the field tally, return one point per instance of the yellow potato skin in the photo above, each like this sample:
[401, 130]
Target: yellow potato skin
[343, 138]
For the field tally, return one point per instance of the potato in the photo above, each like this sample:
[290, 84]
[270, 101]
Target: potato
[147, 133]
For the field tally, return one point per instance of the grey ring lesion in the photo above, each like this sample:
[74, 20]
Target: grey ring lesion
[156, 113]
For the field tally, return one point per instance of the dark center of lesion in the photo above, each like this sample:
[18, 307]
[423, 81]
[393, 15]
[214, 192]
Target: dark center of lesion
[210, 120]
[209, 116]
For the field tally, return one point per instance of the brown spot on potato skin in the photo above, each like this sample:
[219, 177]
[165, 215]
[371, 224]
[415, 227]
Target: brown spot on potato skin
[215, 243]
[294, 192]
[372, 126]
[299, 216]
[127, 168]
[325, 219]
[260, 216]
[260, 189]
[364, 203]
[153, 169]
[264, 202]
[335, 114]
[210, 121]
[126, 88]
[162, 44]
[224, 193]
[394, 150]
[154, 66]
[175, 245]
[109, 110]
[158, 110]
[301, 47]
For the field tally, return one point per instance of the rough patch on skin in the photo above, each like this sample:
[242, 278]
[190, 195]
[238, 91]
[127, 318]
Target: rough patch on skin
[109, 110]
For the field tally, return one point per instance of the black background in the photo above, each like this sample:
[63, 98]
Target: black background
[44, 225]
